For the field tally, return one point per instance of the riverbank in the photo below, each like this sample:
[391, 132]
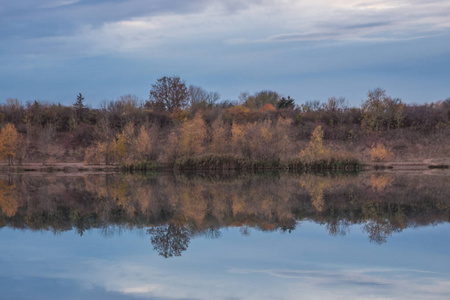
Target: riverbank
[185, 165]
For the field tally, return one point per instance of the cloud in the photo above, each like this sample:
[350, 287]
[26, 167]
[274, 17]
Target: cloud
[81, 28]
[247, 44]
[54, 4]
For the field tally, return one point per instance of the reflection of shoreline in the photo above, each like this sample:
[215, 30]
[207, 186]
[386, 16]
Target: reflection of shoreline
[384, 202]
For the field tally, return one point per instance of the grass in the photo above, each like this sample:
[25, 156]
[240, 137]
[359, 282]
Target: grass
[141, 166]
[230, 162]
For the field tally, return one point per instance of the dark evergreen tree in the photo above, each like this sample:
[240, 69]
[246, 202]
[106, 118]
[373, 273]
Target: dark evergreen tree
[80, 108]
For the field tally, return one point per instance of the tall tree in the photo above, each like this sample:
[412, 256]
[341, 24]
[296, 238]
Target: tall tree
[193, 134]
[8, 143]
[80, 108]
[168, 93]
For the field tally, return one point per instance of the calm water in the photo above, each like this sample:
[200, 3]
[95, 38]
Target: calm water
[266, 236]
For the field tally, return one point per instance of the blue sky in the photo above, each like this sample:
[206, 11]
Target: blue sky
[52, 50]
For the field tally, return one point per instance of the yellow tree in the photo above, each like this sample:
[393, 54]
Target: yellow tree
[193, 134]
[122, 146]
[315, 147]
[144, 143]
[237, 137]
[119, 147]
[316, 186]
[8, 143]
[219, 137]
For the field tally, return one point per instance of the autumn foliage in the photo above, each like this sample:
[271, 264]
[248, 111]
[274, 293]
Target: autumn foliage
[8, 143]
[178, 122]
[379, 153]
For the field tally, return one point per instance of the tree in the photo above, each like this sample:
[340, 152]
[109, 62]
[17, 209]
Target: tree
[219, 137]
[259, 99]
[144, 143]
[47, 135]
[315, 147]
[105, 135]
[200, 97]
[333, 111]
[193, 134]
[8, 143]
[380, 109]
[286, 103]
[168, 93]
[122, 145]
[308, 106]
[80, 109]
[13, 110]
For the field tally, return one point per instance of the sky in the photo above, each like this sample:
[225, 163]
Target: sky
[310, 50]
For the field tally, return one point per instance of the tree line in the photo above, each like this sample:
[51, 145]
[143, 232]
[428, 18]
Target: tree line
[188, 121]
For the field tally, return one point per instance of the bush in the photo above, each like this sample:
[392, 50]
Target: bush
[380, 153]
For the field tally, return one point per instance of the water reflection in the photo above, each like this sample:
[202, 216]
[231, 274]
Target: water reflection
[175, 208]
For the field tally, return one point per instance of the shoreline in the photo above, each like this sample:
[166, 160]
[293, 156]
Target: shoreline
[62, 167]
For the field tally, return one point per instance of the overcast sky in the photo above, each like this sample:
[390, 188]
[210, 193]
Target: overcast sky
[52, 50]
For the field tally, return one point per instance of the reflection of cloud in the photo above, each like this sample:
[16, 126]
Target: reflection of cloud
[139, 278]
[207, 274]
[366, 282]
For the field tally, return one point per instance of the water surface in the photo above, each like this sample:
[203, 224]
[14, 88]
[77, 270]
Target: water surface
[203, 236]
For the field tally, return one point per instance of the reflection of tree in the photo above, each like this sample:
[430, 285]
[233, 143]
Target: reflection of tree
[244, 230]
[315, 186]
[381, 182]
[338, 227]
[378, 225]
[378, 231]
[8, 199]
[170, 240]
[202, 205]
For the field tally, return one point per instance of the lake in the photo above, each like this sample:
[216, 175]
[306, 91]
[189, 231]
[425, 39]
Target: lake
[274, 235]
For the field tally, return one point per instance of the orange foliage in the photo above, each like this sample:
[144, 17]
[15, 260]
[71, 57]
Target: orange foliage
[268, 107]
[193, 134]
[381, 182]
[380, 153]
[96, 154]
[8, 200]
[8, 142]
[219, 137]
[144, 143]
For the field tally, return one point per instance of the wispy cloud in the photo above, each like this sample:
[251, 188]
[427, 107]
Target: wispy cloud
[54, 4]
[137, 26]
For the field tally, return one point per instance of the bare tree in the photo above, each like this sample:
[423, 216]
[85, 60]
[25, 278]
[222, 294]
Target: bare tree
[200, 96]
[168, 93]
